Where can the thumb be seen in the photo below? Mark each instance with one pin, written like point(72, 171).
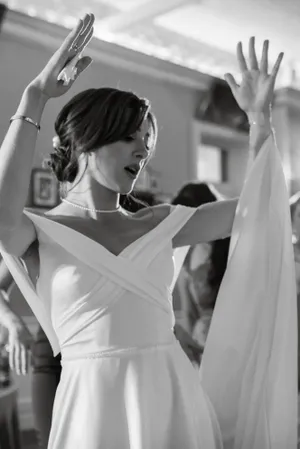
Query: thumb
point(83, 64)
point(231, 83)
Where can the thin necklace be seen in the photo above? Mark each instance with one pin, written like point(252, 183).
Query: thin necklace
point(107, 211)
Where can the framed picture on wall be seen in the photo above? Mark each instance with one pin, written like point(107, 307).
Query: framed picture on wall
point(44, 189)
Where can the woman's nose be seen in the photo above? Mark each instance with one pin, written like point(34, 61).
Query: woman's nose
point(142, 150)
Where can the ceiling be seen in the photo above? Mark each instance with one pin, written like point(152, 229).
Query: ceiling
point(198, 34)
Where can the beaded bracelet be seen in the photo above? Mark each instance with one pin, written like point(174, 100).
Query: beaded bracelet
point(25, 119)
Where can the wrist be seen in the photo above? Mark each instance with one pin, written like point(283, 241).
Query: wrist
point(36, 94)
point(259, 118)
point(32, 104)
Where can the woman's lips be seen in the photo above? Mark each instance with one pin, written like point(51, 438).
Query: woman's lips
point(132, 172)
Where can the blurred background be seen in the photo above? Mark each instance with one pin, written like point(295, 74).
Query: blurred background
point(174, 52)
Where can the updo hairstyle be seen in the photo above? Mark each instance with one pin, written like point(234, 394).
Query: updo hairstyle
point(92, 119)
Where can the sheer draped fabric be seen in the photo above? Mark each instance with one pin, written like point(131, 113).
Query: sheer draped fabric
point(249, 366)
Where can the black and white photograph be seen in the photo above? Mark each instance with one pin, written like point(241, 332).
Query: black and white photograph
point(150, 224)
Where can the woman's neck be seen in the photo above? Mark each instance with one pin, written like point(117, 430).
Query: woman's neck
point(92, 195)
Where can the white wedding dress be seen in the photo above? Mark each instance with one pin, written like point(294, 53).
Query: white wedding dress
point(126, 383)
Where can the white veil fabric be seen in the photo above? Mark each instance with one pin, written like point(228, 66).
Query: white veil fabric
point(179, 256)
point(249, 365)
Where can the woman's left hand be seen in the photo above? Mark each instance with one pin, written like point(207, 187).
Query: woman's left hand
point(255, 93)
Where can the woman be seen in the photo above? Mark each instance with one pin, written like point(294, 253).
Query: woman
point(104, 275)
point(202, 272)
point(46, 369)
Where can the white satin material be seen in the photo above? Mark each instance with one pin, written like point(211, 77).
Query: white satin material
point(125, 382)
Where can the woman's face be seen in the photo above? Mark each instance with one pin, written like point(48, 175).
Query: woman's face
point(296, 220)
point(118, 165)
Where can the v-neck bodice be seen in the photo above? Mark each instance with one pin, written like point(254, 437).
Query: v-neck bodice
point(94, 300)
point(126, 249)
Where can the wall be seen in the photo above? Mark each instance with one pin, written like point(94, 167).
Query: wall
point(173, 105)
point(236, 145)
point(286, 118)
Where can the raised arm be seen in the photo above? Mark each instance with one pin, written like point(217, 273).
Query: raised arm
point(18, 147)
point(254, 95)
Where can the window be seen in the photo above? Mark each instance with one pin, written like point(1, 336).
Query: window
point(212, 164)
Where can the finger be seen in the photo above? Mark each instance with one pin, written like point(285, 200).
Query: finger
point(28, 360)
point(83, 64)
point(11, 357)
point(231, 83)
point(84, 35)
point(252, 54)
point(17, 359)
point(241, 58)
point(87, 24)
point(264, 57)
point(76, 36)
point(62, 55)
point(277, 67)
point(86, 40)
point(23, 360)
point(71, 36)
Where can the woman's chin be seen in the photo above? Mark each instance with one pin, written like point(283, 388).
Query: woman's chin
point(122, 188)
point(126, 190)
point(127, 186)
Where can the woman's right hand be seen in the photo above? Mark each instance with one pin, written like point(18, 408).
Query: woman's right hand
point(46, 82)
point(19, 345)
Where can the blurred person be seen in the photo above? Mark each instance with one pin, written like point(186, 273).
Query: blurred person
point(103, 293)
point(25, 351)
point(199, 280)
